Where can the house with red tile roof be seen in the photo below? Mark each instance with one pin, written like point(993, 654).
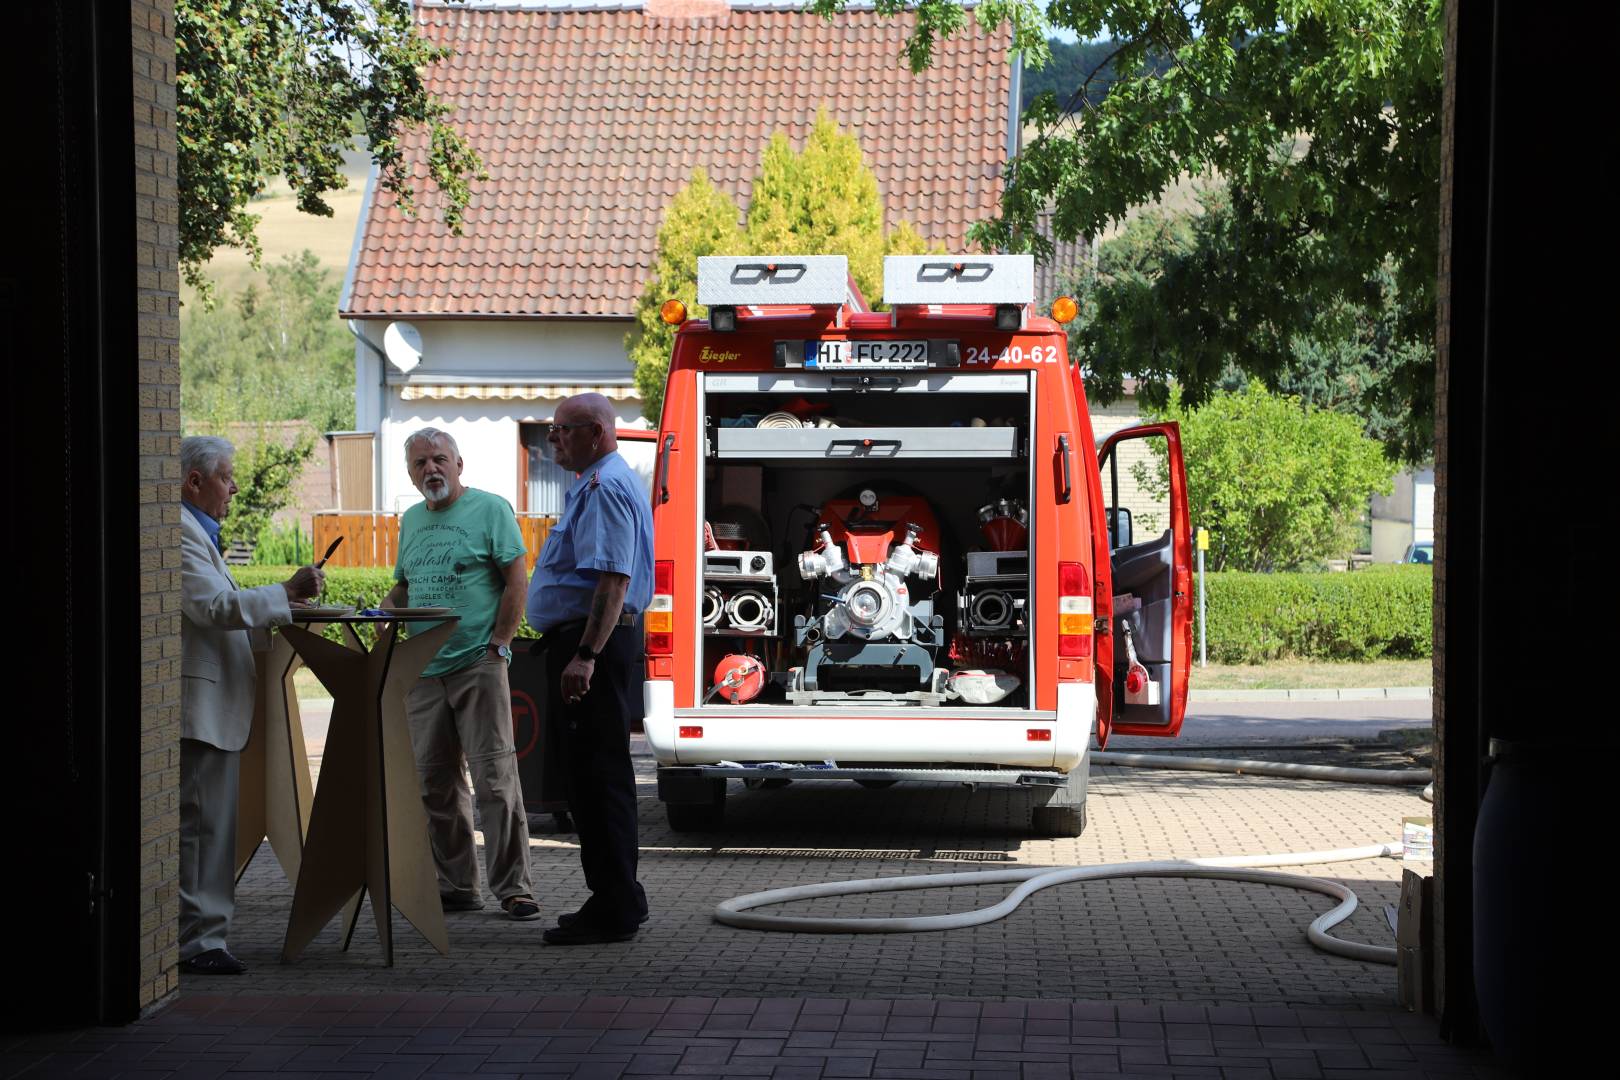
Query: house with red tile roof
point(589, 116)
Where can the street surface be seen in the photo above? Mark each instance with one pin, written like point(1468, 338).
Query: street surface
point(1225, 723)
point(1237, 723)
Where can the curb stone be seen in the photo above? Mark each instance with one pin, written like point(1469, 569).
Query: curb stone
point(1375, 693)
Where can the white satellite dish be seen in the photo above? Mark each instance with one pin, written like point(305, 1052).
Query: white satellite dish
point(402, 344)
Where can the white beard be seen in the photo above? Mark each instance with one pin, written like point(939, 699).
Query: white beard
point(436, 489)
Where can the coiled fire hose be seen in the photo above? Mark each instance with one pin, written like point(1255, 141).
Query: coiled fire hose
point(738, 910)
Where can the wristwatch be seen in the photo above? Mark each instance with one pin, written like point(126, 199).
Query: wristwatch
point(585, 652)
point(503, 651)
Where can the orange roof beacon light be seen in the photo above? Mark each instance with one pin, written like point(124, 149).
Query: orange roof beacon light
point(673, 312)
point(1064, 309)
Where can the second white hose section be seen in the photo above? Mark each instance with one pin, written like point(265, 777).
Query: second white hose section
point(736, 911)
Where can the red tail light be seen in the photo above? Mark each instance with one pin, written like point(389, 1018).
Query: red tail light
point(1074, 610)
point(1073, 579)
point(659, 619)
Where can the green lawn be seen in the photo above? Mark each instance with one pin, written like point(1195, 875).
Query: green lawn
point(1311, 675)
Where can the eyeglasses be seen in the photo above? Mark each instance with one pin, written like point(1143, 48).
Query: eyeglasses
point(566, 427)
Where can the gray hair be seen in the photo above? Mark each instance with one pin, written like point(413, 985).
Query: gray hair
point(430, 434)
point(204, 454)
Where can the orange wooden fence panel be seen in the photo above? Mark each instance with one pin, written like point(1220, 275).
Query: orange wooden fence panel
point(373, 539)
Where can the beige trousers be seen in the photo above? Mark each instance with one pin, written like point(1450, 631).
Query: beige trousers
point(468, 715)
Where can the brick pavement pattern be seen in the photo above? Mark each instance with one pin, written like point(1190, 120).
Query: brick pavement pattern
point(1149, 977)
point(1140, 941)
point(402, 1036)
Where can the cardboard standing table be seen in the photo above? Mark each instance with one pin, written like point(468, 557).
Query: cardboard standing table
point(275, 791)
point(368, 831)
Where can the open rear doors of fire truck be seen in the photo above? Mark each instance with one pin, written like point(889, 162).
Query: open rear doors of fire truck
point(1142, 490)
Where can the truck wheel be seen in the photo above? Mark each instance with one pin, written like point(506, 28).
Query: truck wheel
point(695, 817)
point(694, 803)
point(1058, 821)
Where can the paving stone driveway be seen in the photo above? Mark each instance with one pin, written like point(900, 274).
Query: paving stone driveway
point(1127, 941)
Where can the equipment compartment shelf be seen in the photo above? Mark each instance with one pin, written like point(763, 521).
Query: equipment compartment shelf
point(866, 443)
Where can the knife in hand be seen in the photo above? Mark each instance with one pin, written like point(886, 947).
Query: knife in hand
point(330, 548)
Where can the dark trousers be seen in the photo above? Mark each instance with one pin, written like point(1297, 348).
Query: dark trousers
point(593, 737)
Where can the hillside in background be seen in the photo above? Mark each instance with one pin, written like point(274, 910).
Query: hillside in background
point(1071, 63)
point(284, 230)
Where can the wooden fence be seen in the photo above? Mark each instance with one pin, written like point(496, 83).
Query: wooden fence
point(373, 539)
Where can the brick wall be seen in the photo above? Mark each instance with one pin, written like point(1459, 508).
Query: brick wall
point(1442, 367)
point(157, 300)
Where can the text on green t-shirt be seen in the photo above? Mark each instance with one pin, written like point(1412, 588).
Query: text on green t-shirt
point(453, 558)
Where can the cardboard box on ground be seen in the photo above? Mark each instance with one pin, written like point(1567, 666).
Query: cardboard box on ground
point(1414, 943)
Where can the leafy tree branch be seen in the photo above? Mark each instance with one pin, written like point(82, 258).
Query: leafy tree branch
point(268, 88)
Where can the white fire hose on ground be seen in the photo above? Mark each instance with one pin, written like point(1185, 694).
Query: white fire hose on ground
point(738, 910)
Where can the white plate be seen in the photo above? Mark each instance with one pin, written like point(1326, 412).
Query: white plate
point(305, 614)
point(417, 610)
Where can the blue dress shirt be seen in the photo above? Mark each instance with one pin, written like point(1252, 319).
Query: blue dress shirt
point(606, 524)
point(206, 520)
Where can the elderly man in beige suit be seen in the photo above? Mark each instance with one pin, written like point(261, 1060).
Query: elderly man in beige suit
point(219, 628)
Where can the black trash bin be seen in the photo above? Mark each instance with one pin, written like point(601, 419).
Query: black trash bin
point(539, 771)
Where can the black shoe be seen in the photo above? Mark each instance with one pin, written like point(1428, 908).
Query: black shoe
point(213, 962)
point(578, 934)
point(461, 902)
point(569, 918)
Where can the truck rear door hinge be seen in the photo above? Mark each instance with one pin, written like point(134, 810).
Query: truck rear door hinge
point(1100, 626)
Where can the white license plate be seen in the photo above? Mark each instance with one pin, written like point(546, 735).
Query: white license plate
point(889, 354)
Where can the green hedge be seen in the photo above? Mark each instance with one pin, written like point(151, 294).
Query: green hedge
point(344, 585)
point(1380, 612)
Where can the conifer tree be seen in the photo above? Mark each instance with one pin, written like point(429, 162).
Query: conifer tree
point(701, 220)
point(822, 200)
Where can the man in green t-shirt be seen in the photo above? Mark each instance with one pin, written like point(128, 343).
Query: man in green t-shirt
point(461, 549)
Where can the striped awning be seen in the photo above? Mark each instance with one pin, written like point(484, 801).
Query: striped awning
point(514, 393)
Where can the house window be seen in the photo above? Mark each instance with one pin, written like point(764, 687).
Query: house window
point(546, 482)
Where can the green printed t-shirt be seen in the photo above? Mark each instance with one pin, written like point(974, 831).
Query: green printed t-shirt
point(452, 558)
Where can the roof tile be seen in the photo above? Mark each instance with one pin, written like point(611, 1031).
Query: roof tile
point(589, 122)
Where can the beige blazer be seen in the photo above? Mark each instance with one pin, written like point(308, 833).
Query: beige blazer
point(220, 626)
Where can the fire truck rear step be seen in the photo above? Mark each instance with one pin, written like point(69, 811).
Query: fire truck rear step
point(1004, 777)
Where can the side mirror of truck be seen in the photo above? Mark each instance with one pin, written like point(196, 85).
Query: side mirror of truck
point(1119, 527)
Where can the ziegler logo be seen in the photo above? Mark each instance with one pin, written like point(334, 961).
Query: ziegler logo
point(715, 356)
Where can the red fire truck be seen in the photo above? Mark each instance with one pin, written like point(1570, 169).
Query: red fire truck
point(885, 549)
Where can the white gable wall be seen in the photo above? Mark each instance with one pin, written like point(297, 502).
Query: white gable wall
point(480, 353)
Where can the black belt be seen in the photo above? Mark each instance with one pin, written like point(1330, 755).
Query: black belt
point(579, 625)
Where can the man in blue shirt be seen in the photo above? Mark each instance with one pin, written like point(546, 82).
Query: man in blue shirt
point(594, 576)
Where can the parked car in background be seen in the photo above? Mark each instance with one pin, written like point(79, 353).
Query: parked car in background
point(1421, 551)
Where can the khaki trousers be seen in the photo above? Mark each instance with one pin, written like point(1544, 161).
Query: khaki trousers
point(468, 715)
